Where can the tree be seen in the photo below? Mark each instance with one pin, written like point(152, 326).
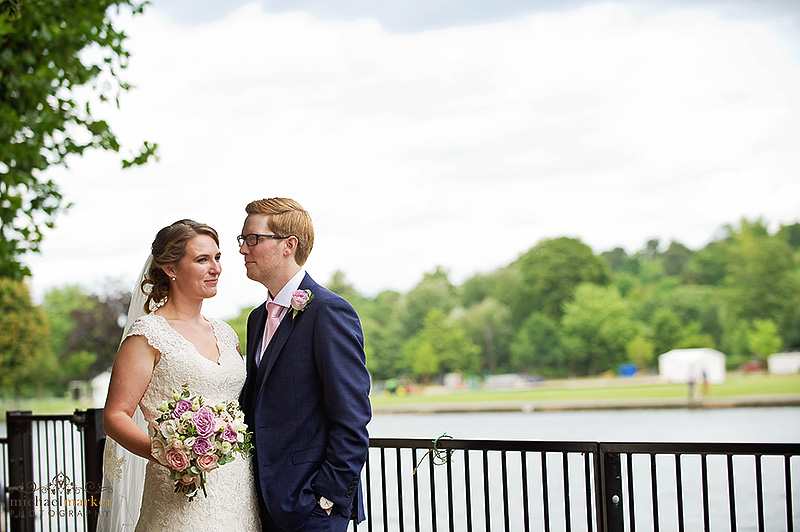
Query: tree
point(382, 338)
point(675, 258)
point(596, 330)
point(763, 338)
point(487, 325)
point(762, 281)
point(86, 329)
point(435, 291)
point(440, 347)
point(537, 348)
point(25, 354)
point(550, 273)
point(641, 352)
point(666, 330)
point(57, 60)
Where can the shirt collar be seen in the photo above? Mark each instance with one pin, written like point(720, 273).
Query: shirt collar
point(284, 297)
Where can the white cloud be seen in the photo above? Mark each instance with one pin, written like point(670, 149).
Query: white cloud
point(459, 147)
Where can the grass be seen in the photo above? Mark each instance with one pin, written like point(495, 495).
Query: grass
point(576, 389)
point(599, 389)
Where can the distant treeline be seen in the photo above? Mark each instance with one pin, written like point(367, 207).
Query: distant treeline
point(558, 310)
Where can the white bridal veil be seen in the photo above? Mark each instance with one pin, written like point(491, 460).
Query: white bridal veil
point(123, 471)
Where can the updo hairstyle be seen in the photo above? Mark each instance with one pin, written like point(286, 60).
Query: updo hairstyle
point(168, 248)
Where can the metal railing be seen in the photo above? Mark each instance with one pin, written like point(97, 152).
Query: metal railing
point(53, 471)
point(506, 485)
point(50, 462)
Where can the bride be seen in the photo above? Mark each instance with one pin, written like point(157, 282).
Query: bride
point(164, 349)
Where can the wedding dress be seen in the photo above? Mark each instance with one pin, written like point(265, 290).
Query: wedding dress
point(231, 504)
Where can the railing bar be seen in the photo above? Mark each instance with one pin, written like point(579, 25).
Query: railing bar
point(486, 498)
point(434, 521)
point(599, 489)
point(415, 483)
point(399, 490)
point(679, 494)
point(587, 480)
point(47, 466)
point(524, 472)
point(704, 476)
point(631, 506)
point(567, 512)
point(83, 467)
point(64, 464)
point(731, 493)
point(504, 477)
point(759, 495)
point(654, 490)
point(468, 491)
point(368, 479)
point(545, 495)
point(450, 509)
point(787, 475)
point(383, 489)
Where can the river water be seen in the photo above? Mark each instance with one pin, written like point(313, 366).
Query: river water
point(730, 425)
point(778, 424)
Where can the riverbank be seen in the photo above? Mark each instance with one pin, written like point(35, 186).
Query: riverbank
point(614, 393)
point(738, 391)
point(598, 404)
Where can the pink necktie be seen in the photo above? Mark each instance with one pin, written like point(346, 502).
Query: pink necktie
point(273, 320)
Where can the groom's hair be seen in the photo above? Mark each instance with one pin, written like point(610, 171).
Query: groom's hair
point(287, 218)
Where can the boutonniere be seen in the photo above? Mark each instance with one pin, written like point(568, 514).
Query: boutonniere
point(300, 300)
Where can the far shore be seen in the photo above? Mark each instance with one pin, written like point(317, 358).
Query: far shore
point(596, 393)
point(747, 401)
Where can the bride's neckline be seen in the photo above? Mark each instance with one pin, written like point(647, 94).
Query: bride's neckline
point(196, 350)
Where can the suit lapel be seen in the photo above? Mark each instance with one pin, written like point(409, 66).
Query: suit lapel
point(281, 336)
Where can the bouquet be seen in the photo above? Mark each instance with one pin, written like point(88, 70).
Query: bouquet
point(192, 438)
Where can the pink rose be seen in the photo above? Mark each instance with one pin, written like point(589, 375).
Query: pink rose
point(300, 299)
point(229, 434)
point(204, 421)
point(207, 462)
point(181, 407)
point(201, 446)
point(187, 480)
point(177, 460)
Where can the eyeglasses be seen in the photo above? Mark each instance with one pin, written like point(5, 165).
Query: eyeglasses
point(252, 239)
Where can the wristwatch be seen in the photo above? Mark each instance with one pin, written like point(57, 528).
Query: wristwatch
point(325, 504)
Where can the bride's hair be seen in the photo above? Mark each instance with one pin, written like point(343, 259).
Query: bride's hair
point(168, 248)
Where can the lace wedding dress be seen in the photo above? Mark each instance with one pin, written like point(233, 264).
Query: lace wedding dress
point(231, 504)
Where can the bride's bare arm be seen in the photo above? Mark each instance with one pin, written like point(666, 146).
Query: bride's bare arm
point(133, 368)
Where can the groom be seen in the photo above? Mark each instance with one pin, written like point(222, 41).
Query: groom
point(306, 397)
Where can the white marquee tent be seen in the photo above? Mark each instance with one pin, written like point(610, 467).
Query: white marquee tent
point(784, 363)
point(681, 365)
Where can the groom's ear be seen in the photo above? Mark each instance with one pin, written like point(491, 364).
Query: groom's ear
point(290, 246)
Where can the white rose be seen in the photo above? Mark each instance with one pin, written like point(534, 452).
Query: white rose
point(169, 429)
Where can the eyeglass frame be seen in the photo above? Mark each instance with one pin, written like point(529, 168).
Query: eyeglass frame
point(242, 239)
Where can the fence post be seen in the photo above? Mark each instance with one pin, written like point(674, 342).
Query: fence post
point(21, 487)
point(90, 422)
point(611, 490)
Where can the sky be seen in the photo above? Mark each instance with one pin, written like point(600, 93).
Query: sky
point(438, 133)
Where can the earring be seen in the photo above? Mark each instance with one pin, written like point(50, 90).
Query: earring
point(173, 277)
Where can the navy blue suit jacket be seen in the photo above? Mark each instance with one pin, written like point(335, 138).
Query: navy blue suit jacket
point(307, 403)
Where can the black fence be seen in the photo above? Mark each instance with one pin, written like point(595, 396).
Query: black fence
point(51, 472)
point(485, 485)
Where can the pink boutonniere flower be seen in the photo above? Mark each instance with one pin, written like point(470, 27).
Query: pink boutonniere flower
point(300, 300)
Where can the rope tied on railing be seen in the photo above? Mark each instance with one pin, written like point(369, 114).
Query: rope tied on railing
point(439, 456)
